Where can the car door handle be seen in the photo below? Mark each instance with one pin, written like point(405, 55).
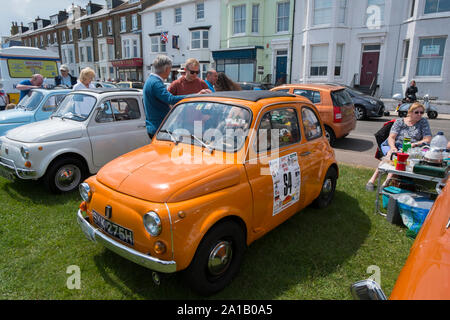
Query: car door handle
point(304, 154)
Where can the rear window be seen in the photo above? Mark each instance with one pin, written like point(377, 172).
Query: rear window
point(341, 98)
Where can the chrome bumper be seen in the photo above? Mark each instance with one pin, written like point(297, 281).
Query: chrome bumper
point(22, 173)
point(95, 235)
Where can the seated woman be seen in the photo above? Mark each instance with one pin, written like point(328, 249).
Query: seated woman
point(414, 126)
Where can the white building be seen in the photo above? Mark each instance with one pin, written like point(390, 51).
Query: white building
point(192, 29)
point(351, 41)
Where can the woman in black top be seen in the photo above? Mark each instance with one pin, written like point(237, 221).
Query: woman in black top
point(410, 94)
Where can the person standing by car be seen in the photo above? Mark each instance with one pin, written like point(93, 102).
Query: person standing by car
point(190, 83)
point(224, 83)
point(211, 79)
point(65, 79)
point(25, 86)
point(4, 100)
point(410, 94)
point(85, 81)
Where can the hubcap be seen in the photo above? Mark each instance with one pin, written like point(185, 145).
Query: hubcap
point(220, 258)
point(327, 187)
point(358, 113)
point(67, 177)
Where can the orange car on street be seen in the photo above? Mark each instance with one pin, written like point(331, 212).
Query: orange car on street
point(334, 104)
point(426, 273)
point(222, 170)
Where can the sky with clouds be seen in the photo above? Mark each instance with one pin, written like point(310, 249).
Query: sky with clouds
point(28, 10)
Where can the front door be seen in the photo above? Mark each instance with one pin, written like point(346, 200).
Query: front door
point(281, 69)
point(369, 68)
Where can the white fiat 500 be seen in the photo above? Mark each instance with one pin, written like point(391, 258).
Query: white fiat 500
point(89, 129)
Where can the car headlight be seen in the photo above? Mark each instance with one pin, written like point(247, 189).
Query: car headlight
point(25, 152)
point(152, 223)
point(85, 191)
point(373, 102)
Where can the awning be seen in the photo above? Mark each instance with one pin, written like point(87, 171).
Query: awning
point(236, 53)
point(128, 63)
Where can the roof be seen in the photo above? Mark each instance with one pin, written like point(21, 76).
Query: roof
point(248, 95)
point(109, 90)
point(320, 86)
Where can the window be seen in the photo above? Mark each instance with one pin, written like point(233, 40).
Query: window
point(342, 11)
point(80, 33)
point(255, 18)
point(375, 10)
point(110, 52)
point(413, 5)
point(102, 52)
point(49, 38)
point(119, 110)
point(430, 56)
point(158, 19)
point(311, 124)
point(41, 38)
point(239, 19)
point(54, 20)
point(126, 53)
point(82, 54)
point(157, 45)
point(405, 56)
point(100, 28)
point(52, 102)
point(313, 96)
point(135, 49)
point(200, 39)
point(71, 59)
point(134, 22)
point(109, 26)
point(283, 16)
point(70, 35)
point(63, 36)
point(278, 128)
point(435, 6)
point(319, 60)
point(178, 15)
point(123, 24)
point(109, 4)
point(339, 57)
point(89, 31)
point(89, 54)
point(323, 12)
point(200, 11)
point(55, 37)
point(241, 70)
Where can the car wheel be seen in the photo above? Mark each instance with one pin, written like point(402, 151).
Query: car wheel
point(217, 260)
point(64, 175)
point(360, 113)
point(432, 114)
point(331, 137)
point(328, 190)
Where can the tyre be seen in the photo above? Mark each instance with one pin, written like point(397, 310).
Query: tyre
point(432, 114)
point(217, 260)
point(360, 113)
point(64, 175)
point(331, 137)
point(328, 190)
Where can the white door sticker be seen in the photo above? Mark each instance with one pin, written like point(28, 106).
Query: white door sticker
point(286, 180)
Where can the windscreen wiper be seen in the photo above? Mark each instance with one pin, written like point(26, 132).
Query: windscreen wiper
point(172, 137)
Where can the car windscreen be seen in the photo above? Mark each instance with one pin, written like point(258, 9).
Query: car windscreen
point(31, 101)
point(123, 85)
point(76, 107)
point(213, 125)
point(341, 98)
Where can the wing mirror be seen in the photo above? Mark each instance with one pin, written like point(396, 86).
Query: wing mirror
point(397, 96)
point(367, 290)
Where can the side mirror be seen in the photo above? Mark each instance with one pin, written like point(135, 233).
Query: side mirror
point(397, 96)
point(367, 290)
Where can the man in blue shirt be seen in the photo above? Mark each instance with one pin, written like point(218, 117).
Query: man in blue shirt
point(211, 78)
point(25, 86)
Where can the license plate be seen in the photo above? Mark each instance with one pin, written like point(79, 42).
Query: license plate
point(113, 229)
point(6, 174)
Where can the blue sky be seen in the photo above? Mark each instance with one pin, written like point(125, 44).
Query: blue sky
point(28, 10)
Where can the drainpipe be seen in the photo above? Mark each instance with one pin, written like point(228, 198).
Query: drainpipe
point(292, 43)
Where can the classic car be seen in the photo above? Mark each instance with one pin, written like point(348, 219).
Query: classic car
point(37, 106)
point(334, 104)
point(426, 273)
point(89, 128)
point(222, 170)
point(130, 84)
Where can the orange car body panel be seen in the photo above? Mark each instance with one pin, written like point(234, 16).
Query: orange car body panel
point(426, 274)
point(191, 198)
point(325, 107)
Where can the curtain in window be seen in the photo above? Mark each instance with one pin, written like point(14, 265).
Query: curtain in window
point(430, 56)
point(433, 6)
point(323, 11)
point(239, 19)
point(283, 17)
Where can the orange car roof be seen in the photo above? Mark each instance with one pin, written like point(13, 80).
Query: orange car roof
point(249, 95)
point(319, 86)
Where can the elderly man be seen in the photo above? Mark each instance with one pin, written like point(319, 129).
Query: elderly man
point(211, 79)
point(25, 86)
point(65, 79)
point(190, 83)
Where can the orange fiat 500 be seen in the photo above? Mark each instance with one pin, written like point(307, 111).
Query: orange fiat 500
point(334, 104)
point(223, 170)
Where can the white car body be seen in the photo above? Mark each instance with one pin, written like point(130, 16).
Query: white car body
point(95, 142)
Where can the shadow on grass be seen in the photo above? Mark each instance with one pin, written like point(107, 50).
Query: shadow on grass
point(304, 249)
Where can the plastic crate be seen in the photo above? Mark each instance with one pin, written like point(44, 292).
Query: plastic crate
point(391, 190)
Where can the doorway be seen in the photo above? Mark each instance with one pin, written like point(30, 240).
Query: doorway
point(281, 67)
point(369, 64)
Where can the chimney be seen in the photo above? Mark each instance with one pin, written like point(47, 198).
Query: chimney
point(14, 29)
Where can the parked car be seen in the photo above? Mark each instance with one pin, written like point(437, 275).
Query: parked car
point(89, 128)
point(194, 202)
point(104, 84)
point(334, 103)
point(255, 86)
point(426, 273)
point(37, 106)
point(130, 84)
point(366, 106)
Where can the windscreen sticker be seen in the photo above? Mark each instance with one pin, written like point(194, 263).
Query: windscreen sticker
point(286, 178)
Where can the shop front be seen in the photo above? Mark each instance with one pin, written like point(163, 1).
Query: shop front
point(129, 69)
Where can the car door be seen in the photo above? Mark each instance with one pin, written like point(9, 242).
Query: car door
point(117, 128)
point(275, 168)
point(47, 107)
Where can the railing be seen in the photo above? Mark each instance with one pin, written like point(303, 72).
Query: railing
point(374, 85)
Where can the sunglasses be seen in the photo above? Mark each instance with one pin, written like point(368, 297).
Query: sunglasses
point(193, 71)
point(419, 112)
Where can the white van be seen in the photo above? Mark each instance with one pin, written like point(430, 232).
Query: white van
point(20, 63)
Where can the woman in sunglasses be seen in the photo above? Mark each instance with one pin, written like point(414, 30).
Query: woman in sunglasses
point(414, 126)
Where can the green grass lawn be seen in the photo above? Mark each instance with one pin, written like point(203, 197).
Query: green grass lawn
point(317, 254)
